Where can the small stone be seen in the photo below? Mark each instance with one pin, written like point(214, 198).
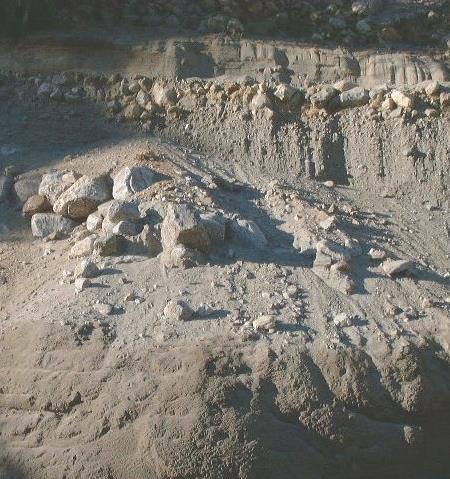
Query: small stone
point(94, 221)
point(343, 320)
point(328, 223)
point(81, 284)
point(433, 88)
point(393, 268)
point(265, 323)
point(329, 184)
point(179, 310)
point(86, 269)
point(377, 254)
point(427, 303)
point(104, 309)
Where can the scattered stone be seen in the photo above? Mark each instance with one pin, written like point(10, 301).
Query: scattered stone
point(45, 224)
point(393, 268)
point(178, 310)
point(377, 254)
point(83, 197)
point(130, 180)
point(36, 204)
point(343, 320)
point(104, 309)
point(81, 284)
point(265, 323)
point(86, 269)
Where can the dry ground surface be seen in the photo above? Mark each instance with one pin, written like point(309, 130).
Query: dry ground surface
point(136, 394)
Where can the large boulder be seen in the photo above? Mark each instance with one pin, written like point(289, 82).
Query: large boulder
point(54, 184)
point(45, 224)
point(130, 180)
point(83, 197)
point(183, 225)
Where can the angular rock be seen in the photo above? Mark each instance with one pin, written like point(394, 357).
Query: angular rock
point(83, 197)
point(133, 111)
point(36, 204)
point(120, 210)
point(215, 224)
point(323, 97)
point(56, 183)
point(393, 268)
point(127, 228)
point(178, 310)
point(45, 224)
point(355, 97)
point(181, 257)
point(183, 225)
point(163, 95)
point(146, 243)
point(130, 180)
point(108, 245)
point(265, 323)
point(84, 247)
point(249, 232)
point(402, 99)
point(86, 269)
point(94, 221)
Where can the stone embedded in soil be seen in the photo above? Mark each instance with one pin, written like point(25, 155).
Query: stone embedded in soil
point(393, 268)
point(343, 320)
point(36, 204)
point(45, 224)
point(181, 257)
point(83, 197)
point(130, 180)
point(265, 323)
point(104, 309)
point(178, 310)
point(81, 284)
point(183, 225)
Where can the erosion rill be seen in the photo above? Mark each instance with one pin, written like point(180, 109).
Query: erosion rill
point(224, 239)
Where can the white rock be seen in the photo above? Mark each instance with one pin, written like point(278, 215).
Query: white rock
point(85, 247)
point(392, 268)
point(130, 180)
point(94, 221)
point(343, 320)
point(402, 99)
